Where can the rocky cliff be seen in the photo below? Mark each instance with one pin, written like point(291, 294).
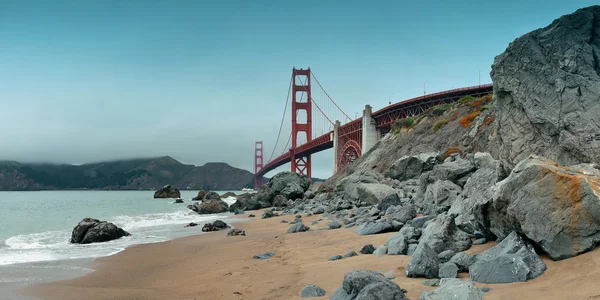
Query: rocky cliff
point(134, 174)
point(547, 91)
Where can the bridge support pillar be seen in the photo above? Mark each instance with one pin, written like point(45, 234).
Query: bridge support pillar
point(335, 136)
point(369, 130)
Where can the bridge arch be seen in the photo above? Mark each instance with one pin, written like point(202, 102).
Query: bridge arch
point(350, 152)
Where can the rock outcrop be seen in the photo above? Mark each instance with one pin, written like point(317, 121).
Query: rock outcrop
point(453, 289)
point(287, 184)
point(200, 195)
point(213, 206)
point(167, 192)
point(556, 207)
point(95, 231)
point(546, 91)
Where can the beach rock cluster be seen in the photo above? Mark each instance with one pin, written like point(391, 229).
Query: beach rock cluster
point(367, 284)
point(95, 231)
point(167, 192)
point(215, 226)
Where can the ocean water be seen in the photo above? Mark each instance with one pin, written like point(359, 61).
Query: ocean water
point(35, 229)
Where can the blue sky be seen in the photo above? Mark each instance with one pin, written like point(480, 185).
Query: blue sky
point(84, 81)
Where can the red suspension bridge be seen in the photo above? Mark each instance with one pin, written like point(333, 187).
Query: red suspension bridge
point(318, 123)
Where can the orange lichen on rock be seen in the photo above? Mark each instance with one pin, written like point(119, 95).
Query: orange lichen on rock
point(451, 151)
point(489, 120)
point(453, 116)
point(477, 103)
point(468, 119)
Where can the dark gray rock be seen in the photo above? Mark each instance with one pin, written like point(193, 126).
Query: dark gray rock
point(480, 241)
point(453, 289)
point(335, 257)
point(211, 196)
point(298, 227)
point(368, 285)
point(191, 224)
point(396, 244)
point(401, 214)
point(347, 187)
point(463, 261)
point(287, 184)
point(334, 225)
point(211, 206)
point(391, 199)
point(410, 233)
point(381, 250)
point(95, 231)
point(236, 232)
point(556, 207)
point(280, 201)
point(267, 214)
point(451, 170)
point(411, 249)
point(448, 270)
point(546, 91)
point(439, 196)
point(350, 253)
point(375, 193)
point(408, 167)
point(367, 249)
point(423, 263)
point(446, 255)
point(265, 255)
point(311, 291)
point(167, 192)
point(318, 210)
point(220, 224)
point(419, 221)
point(178, 200)
point(513, 260)
point(442, 234)
point(370, 227)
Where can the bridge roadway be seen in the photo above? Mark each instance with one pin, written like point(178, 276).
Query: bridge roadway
point(384, 119)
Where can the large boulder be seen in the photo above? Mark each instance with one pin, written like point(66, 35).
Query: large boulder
point(245, 202)
point(453, 170)
point(375, 193)
point(443, 234)
point(453, 289)
point(408, 167)
point(439, 196)
point(167, 191)
point(95, 231)
point(213, 206)
point(288, 184)
point(513, 260)
point(368, 285)
point(346, 188)
point(424, 262)
point(396, 244)
point(371, 227)
point(546, 91)
point(556, 207)
point(200, 195)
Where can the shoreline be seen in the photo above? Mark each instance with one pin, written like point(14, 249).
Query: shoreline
point(213, 266)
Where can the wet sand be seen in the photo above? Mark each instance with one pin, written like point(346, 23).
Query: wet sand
point(214, 266)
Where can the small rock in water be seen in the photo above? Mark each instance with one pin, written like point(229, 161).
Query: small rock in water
point(311, 290)
point(192, 224)
point(367, 249)
point(350, 254)
point(336, 257)
point(265, 255)
point(209, 227)
point(220, 224)
point(178, 200)
point(236, 232)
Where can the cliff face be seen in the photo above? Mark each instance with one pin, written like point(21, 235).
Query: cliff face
point(131, 174)
point(547, 91)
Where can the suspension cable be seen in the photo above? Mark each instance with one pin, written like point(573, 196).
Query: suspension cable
point(317, 80)
point(282, 118)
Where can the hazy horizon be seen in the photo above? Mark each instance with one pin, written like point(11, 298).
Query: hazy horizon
point(94, 81)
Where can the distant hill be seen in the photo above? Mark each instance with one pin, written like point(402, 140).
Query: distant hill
point(133, 174)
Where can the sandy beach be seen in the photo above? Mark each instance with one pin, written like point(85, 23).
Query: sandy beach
point(213, 266)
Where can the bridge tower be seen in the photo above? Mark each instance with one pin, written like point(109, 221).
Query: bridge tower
point(301, 101)
point(258, 164)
